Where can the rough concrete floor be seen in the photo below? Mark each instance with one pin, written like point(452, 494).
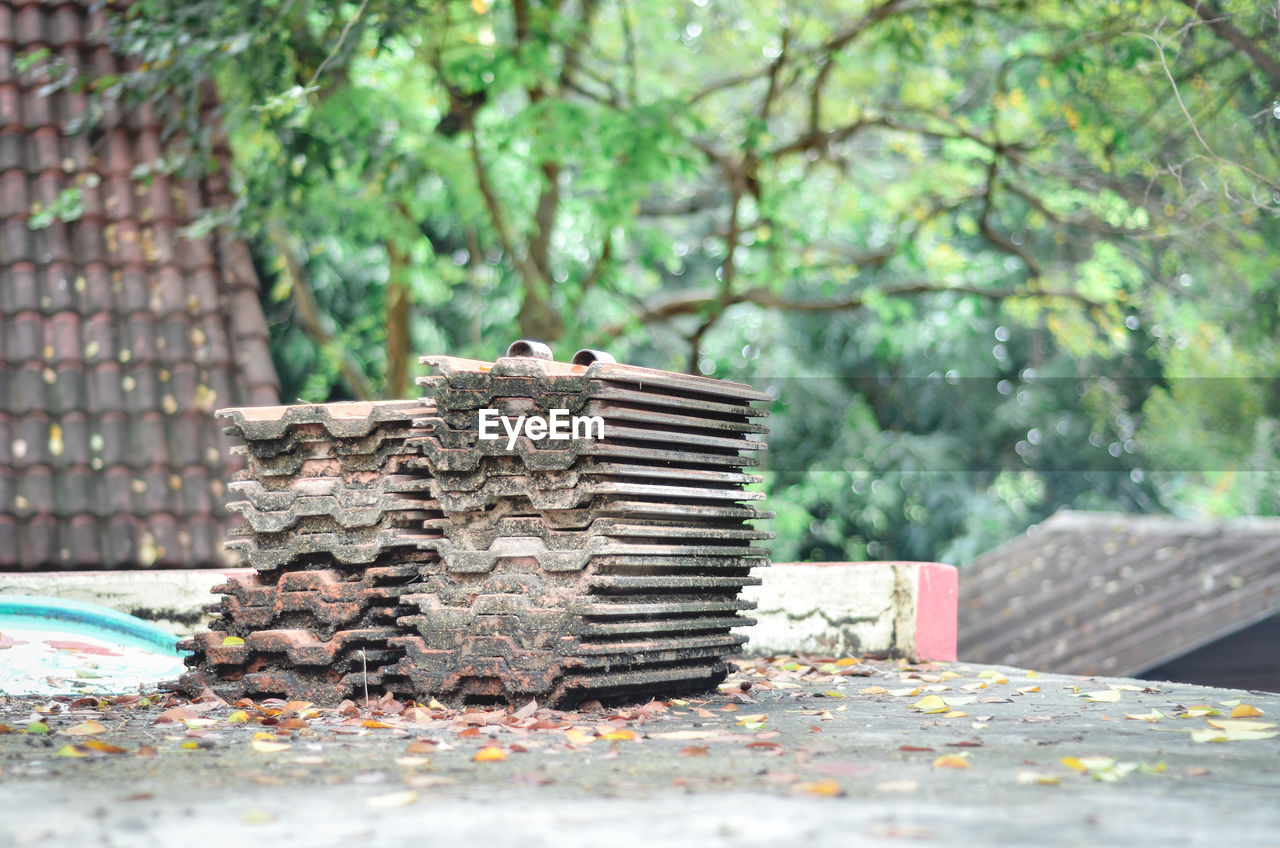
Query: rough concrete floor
point(789, 752)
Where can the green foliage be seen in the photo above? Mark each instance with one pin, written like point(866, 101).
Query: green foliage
point(996, 259)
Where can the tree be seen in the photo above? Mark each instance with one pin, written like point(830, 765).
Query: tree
point(849, 190)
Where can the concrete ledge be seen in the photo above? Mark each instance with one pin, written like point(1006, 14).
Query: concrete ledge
point(905, 609)
point(172, 600)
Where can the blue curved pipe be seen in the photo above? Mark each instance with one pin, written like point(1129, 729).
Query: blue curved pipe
point(88, 620)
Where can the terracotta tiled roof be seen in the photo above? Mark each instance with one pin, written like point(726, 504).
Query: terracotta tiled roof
point(118, 337)
point(1103, 593)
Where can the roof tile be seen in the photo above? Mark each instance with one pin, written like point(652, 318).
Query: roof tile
point(117, 338)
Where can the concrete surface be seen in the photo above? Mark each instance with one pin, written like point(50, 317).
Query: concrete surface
point(812, 753)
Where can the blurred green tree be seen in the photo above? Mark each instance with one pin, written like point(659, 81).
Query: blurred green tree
point(997, 257)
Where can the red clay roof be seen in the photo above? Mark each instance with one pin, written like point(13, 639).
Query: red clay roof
point(118, 337)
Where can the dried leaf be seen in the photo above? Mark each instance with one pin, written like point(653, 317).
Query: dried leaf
point(1245, 711)
point(822, 788)
point(1239, 724)
point(88, 728)
point(148, 751)
point(491, 754)
point(577, 737)
point(1109, 696)
point(958, 761)
point(376, 725)
point(873, 690)
point(623, 735)
point(393, 799)
point(420, 746)
point(687, 734)
point(101, 747)
point(754, 718)
point(694, 751)
point(1030, 778)
point(1154, 715)
point(268, 747)
point(898, 786)
point(931, 704)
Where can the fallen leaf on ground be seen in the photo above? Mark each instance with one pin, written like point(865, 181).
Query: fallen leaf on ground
point(623, 735)
point(393, 799)
point(1108, 696)
point(694, 751)
point(577, 737)
point(931, 704)
point(1214, 734)
point(822, 788)
point(491, 754)
point(873, 690)
point(1029, 778)
point(88, 728)
point(1154, 715)
point(951, 761)
point(898, 786)
point(1245, 711)
point(687, 734)
point(268, 747)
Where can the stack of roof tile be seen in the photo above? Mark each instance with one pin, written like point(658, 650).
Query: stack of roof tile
point(560, 569)
point(333, 544)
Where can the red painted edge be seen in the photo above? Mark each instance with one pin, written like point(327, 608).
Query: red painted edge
point(937, 603)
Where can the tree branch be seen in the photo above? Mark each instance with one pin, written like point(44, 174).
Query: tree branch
point(695, 302)
point(1221, 24)
point(309, 314)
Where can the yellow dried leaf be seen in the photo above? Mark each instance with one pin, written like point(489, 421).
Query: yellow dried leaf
point(1027, 690)
point(824, 788)
point(88, 728)
point(394, 799)
point(1030, 778)
point(1109, 696)
point(1245, 711)
point(954, 714)
point(873, 690)
point(238, 717)
point(623, 735)
point(951, 761)
point(848, 661)
point(1239, 724)
point(72, 751)
point(754, 718)
point(102, 747)
point(490, 755)
point(577, 737)
point(1154, 715)
point(267, 747)
point(931, 704)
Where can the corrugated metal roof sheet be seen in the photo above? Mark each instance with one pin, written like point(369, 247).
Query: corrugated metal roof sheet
point(1101, 593)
